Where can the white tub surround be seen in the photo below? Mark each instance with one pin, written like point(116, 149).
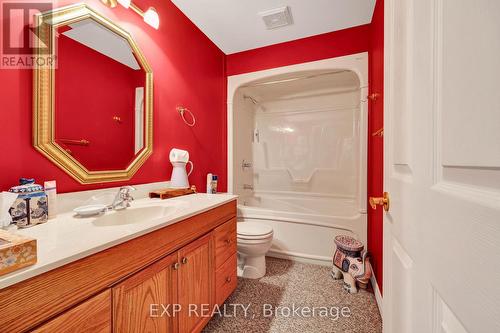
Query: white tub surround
point(297, 153)
point(68, 238)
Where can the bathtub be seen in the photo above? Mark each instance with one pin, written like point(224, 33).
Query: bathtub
point(304, 225)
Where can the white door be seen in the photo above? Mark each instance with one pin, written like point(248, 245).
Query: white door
point(442, 166)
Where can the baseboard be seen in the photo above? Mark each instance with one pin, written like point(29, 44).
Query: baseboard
point(300, 257)
point(378, 296)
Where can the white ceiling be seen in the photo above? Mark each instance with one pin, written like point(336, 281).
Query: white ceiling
point(234, 25)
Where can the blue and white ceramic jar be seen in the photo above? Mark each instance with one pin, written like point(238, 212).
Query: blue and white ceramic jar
point(31, 206)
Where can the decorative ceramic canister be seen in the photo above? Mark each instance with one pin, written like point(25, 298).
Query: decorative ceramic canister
point(30, 207)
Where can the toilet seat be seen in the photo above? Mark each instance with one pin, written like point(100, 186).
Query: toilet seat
point(253, 230)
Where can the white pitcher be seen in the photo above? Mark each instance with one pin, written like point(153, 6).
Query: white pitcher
point(179, 158)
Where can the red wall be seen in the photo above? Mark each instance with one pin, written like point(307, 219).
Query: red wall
point(324, 46)
point(111, 143)
point(192, 74)
point(335, 44)
point(188, 70)
point(376, 144)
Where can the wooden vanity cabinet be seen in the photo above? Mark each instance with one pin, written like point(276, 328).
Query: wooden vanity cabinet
point(92, 316)
point(168, 296)
point(196, 284)
point(138, 301)
point(125, 288)
point(225, 260)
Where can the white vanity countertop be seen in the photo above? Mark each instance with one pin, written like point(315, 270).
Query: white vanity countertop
point(67, 238)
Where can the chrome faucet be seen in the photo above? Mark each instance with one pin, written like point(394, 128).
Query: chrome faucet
point(123, 198)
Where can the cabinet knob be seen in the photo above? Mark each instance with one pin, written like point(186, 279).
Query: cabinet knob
point(228, 241)
point(175, 266)
point(184, 260)
point(228, 279)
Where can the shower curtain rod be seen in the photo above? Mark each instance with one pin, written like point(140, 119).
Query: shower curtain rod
point(293, 79)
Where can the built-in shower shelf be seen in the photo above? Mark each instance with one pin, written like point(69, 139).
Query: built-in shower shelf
point(310, 195)
point(305, 110)
point(294, 178)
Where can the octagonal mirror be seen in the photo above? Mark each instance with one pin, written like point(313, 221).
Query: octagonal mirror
point(93, 105)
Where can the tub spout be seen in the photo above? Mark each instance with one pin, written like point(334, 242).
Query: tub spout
point(247, 187)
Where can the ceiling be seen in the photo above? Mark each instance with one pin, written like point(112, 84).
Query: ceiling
point(235, 25)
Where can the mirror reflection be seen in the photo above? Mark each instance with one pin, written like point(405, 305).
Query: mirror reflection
point(99, 97)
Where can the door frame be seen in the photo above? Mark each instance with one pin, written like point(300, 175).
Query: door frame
point(358, 63)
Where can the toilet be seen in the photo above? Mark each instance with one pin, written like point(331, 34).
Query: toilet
point(253, 241)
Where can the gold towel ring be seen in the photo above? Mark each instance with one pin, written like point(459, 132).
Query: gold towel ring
point(182, 110)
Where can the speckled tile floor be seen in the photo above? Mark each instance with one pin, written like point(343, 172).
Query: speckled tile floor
point(307, 287)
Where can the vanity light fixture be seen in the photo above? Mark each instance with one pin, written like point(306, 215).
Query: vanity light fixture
point(150, 16)
point(110, 3)
point(124, 3)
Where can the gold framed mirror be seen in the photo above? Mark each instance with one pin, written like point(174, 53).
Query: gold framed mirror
point(93, 107)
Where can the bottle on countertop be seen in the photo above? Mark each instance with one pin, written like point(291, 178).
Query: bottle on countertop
point(51, 191)
point(209, 183)
point(214, 184)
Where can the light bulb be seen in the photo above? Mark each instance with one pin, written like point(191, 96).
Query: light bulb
point(151, 17)
point(124, 3)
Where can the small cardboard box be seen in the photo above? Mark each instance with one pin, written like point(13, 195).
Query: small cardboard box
point(16, 252)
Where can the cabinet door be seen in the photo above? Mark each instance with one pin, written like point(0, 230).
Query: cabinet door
point(92, 316)
point(139, 302)
point(196, 284)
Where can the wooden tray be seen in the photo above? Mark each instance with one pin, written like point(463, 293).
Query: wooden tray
point(172, 192)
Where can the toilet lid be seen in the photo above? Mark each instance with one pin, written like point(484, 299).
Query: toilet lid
point(253, 229)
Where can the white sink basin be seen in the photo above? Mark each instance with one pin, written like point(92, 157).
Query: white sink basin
point(134, 215)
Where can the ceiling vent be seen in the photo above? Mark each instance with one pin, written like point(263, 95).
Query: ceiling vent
point(277, 18)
